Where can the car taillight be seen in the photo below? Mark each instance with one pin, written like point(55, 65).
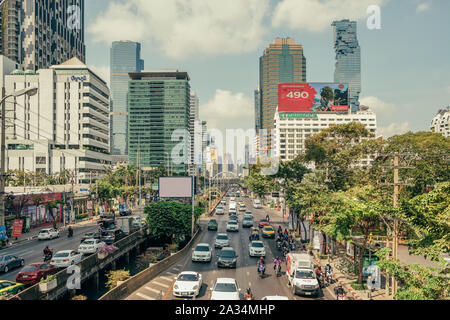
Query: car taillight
point(65, 260)
point(0, 264)
point(52, 260)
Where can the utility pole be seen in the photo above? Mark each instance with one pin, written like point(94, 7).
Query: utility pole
point(3, 160)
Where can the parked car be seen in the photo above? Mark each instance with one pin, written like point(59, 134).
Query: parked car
point(9, 262)
point(187, 284)
point(232, 225)
point(202, 252)
point(247, 222)
point(225, 289)
point(91, 235)
point(227, 258)
point(48, 234)
point(65, 258)
point(212, 225)
point(11, 287)
point(263, 223)
point(112, 236)
point(222, 240)
point(268, 232)
point(34, 272)
point(256, 249)
point(90, 246)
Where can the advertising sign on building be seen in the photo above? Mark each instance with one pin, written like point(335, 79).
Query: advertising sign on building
point(313, 97)
point(3, 233)
point(17, 228)
point(179, 187)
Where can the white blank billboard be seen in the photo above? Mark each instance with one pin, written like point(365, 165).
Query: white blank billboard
point(175, 187)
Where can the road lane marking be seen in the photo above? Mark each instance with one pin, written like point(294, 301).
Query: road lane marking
point(166, 278)
point(160, 284)
point(144, 296)
point(153, 290)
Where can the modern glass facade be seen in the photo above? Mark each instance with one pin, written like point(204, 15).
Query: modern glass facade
point(125, 58)
point(348, 59)
point(158, 104)
point(283, 61)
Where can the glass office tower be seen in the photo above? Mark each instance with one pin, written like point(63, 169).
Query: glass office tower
point(348, 59)
point(158, 104)
point(125, 58)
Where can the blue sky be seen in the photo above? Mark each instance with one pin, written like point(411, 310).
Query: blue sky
point(405, 64)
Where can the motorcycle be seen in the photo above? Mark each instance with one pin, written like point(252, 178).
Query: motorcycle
point(277, 268)
point(320, 279)
point(249, 295)
point(341, 296)
point(70, 233)
point(261, 270)
point(329, 277)
point(292, 246)
point(48, 256)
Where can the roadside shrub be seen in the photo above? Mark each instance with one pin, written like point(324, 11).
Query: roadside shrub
point(358, 286)
point(116, 275)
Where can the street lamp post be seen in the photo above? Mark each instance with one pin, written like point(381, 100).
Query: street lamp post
point(31, 91)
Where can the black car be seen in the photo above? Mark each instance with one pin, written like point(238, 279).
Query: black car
point(91, 235)
point(227, 258)
point(9, 262)
point(212, 225)
point(112, 236)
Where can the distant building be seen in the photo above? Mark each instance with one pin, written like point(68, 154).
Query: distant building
point(293, 129)
point(158, 104)
point(64, 127)
point(195, 134)
point(441, 122)
point(282, 62)
point(348, 59)
point(125, 57)
point(40, 33)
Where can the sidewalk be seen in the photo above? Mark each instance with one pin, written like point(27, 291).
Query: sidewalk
point(32, 234)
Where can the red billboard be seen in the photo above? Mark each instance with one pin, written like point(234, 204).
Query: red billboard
point(17, 228)
point(313, 97)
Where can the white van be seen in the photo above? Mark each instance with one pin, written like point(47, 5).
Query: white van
point(300, 274)
point(232, 208)
point(257, 204)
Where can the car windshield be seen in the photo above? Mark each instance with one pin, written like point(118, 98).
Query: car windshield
point(187, 277)
point(233, 218)
point(225, 287)
point(257, 245)
point(227, 254)
point(89, 242)
point(268, 229)
point(248, 219)
point(224, 237)
point(44, 231)
point(264, 220)
point(29, 269)
point(62, 254)
point(202, 248)
point(110, 234)
point(232, 222)
point(304, 274)
point(213, 222)
point(2, 258)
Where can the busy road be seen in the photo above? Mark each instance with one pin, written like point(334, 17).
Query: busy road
point(245, 272)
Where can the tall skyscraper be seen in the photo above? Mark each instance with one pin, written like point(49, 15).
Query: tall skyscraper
point(257, 109)
point(40, 33)
point(283, 61)
point(125, 58)
point(195, 133)
point(348, 59)
point(158, 104)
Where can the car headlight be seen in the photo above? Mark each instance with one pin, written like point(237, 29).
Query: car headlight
point(195, 287)
point(176, 287)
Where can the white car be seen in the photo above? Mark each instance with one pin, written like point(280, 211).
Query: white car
point(275, 298)
point(89, 246)
point(220, 210)
point(248, 214)
point(202, 252)
point(222, 240)
point(256, 249)
point(225, 289)
point(48, 234)
point(232, 225)
point(65, 258)
point(232, 199)
point(257, 204)
point(187, 284)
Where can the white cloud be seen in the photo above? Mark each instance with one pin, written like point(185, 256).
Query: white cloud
point(102, 71)
point(227, 110)
point(393, 129)
point(424, 6)
point(381, 108)
point(317, 15)
point(182, 28)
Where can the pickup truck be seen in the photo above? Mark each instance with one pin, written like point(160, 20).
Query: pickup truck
point(300, 274)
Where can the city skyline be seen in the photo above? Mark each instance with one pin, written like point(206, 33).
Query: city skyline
point(388, 93)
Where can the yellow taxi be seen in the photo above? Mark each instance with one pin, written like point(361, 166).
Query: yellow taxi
point(254, 234)
point(10, 287)
point(268, 232)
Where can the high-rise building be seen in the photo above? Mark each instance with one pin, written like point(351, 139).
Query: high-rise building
point(257, 110)
point(195, 136)
point(125, 58)
point(441, 122)
point(159, 104)
point(348, 59)
point(282, 62)
point(40, 33)
point(204, 144)
point(64, 126)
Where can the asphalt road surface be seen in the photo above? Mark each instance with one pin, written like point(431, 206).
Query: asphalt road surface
point(246, 271)
point(31, 251)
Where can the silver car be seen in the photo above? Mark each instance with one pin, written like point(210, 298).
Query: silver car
point(222, 240)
